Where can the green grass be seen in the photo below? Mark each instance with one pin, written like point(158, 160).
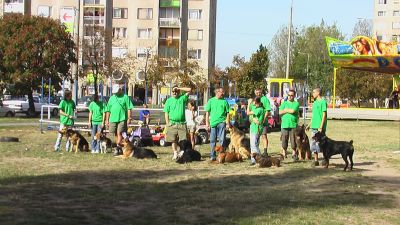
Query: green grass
point(38, 186)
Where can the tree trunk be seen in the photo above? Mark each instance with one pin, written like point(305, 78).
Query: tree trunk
point(31, 109)
point(95, 85)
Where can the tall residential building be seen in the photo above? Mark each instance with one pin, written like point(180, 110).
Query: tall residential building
point(386, 22)
point(169, 29)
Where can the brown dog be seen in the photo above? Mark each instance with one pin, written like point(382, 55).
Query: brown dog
point(228, 157)
point(127, 148)
point(302, 143)
point(237, 142)
point(78, 142)
point(266, 161)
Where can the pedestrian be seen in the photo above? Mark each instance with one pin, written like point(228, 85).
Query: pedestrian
point(67, 110)
point(394, 96)
point(118, 114)
point(190, 115)
point(257, 113)
point(97, 111)
point(174, 110)
point(217, 119)
point(318, 121)
point(267, 110)
point(144, 115)
point(289, 112)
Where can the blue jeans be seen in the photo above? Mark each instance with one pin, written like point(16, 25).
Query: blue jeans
point(95, 143)
point(217, 132)
point(59, 138)
point(314, 147)
point(254, 145)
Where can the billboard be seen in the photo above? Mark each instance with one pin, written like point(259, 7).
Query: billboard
point(67, 17)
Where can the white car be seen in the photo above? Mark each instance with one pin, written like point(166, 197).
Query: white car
point(6, 111)
point(15, 104)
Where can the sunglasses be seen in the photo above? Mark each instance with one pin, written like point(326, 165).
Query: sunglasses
point(291, 95)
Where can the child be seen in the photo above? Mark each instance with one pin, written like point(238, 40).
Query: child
point(256, 126)
point(67, 109)
point(97, 111)
point(190, 115)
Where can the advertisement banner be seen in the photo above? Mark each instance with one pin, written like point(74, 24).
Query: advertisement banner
point(364, 53)
point(67, 17)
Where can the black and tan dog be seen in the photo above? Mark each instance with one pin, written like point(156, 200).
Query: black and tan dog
point(78, 142)
point(266, 161)
point(105, 142)
point(187, 153)
point(330, 147)
point(129, 150)
point(302, 143)
point(238, 145)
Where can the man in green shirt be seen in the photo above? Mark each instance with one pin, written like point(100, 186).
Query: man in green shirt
point(174, 110)
point(217, 118)
point(67, 110)
point(97, 111)
point(318, 121)
point(289, 112)
point(267, 109)
point(118, 113)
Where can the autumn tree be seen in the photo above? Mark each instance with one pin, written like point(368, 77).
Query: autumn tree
point(32, 48)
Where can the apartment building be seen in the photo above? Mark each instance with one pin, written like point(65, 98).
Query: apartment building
point(170, 29)
point(386, 22)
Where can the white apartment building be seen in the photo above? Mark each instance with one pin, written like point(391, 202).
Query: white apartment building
point(178, 29)
point(386, 21)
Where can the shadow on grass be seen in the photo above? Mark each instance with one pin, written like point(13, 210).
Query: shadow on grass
point(179, 196)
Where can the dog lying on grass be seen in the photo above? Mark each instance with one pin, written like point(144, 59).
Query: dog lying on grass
point(302, 143)
point(129, 150)
point(105, 142)
point(266, 161)
point(228, 157)
point(187, 153)
point(238, 142)
point(330, 147)
point(78, 142)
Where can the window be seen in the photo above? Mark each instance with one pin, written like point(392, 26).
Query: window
point(44, 11)
point(169, 13)
point(14, 1)
point(120, 32)
point(396, 25)
point(382, 2)
point(142, 52)
point(93, 2)
point(381, 13)
point(396, 2)
point(195, 34)
point(396, 13)
point(119, 52)
point(195, 14)
point(145, 13)
point(144, 33)
point(194, 54)
point(120, 13)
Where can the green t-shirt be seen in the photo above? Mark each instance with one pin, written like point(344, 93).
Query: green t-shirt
point(97, 109)
point(218, 109)
point(68, 107)
point(175, 107)
point(319, 106)
point(266, 105)
point(118, 107)
point(258, 112)
point(290, 120)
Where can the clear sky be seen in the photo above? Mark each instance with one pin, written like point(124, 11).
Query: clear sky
point(242, 25)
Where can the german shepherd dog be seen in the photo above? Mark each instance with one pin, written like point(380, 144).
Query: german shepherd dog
point(105, 142)
point(78, 142)
point(129, 150)
point(187, 153)
point(238, 142)
point(266, 161)
point(228, 157)
point(302, 143)
point(330, 147)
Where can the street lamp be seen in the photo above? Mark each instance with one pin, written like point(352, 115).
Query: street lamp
point(289, 40)
point(305, 87)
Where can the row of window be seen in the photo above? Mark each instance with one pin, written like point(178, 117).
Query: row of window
point(146, 33)
point(395, 38)
point(383, 13)
point(384, 2)
point(145, 52)
point(147, 13)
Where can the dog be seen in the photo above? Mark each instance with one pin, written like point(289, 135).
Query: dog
point(239, 142)
point(129, 150)
point(228, 157)
point(330, 147)
point(266, 161)
point(187, 153)
point(105, 142)
point(78, 142)
point(302, 143)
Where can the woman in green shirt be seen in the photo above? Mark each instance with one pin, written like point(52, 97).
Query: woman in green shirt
point(257, 113)
point(67, 109)
point(97, 111)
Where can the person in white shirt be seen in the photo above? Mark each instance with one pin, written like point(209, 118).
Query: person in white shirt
point(190, 115)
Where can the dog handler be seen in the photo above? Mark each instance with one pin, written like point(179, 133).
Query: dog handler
point(97, 111)
point(67, 109)
point(174, 110)
point(256, 127)
point(318, 121)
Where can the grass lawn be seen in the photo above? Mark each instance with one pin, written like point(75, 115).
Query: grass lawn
point(39, 186)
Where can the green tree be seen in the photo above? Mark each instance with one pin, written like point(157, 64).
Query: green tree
point(32, 48)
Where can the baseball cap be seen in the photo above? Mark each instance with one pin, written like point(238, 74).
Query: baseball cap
point(115, 88)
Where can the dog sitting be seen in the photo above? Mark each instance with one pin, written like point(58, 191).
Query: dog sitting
point(239, 142)
point(131, 151)
point(330, 147)
point(267, 161)
point(302, 143)
point(187, 153)
point(105, 142)
point(78, 142)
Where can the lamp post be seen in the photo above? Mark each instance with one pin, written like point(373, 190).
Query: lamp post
point(289, 40)
point(305, 87)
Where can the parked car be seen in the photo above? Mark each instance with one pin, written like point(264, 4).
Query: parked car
point(14, 103)
point(6, 111)
point(38, 103)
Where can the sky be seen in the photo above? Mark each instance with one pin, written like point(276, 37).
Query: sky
point(242, 25)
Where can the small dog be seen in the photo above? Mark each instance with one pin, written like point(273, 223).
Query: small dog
point(238, 142)
point(187, 153)
point(228, 157)
point(268, 161)
point(302, 143)
point(131, 151)
point(105, 142)
point(330, 147)
point(78, 142)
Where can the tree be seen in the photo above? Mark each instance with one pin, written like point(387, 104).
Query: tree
point(32, 48)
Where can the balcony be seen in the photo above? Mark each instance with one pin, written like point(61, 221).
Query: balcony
point(94, 2)
point(168, 52)
point(94, 20)
point(169, 22)
point(170, 3)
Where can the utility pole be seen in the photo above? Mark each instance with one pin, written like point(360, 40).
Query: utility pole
point(289, 40)
point(75, 70)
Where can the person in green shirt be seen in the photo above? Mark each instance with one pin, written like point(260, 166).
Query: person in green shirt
point(267, 109)
point(289, 112)
point(118, 114)
point(67, 110)
point(318, 121)
point(97, 111)
point(174, 110)
point(217, 118)
point(256, 127)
